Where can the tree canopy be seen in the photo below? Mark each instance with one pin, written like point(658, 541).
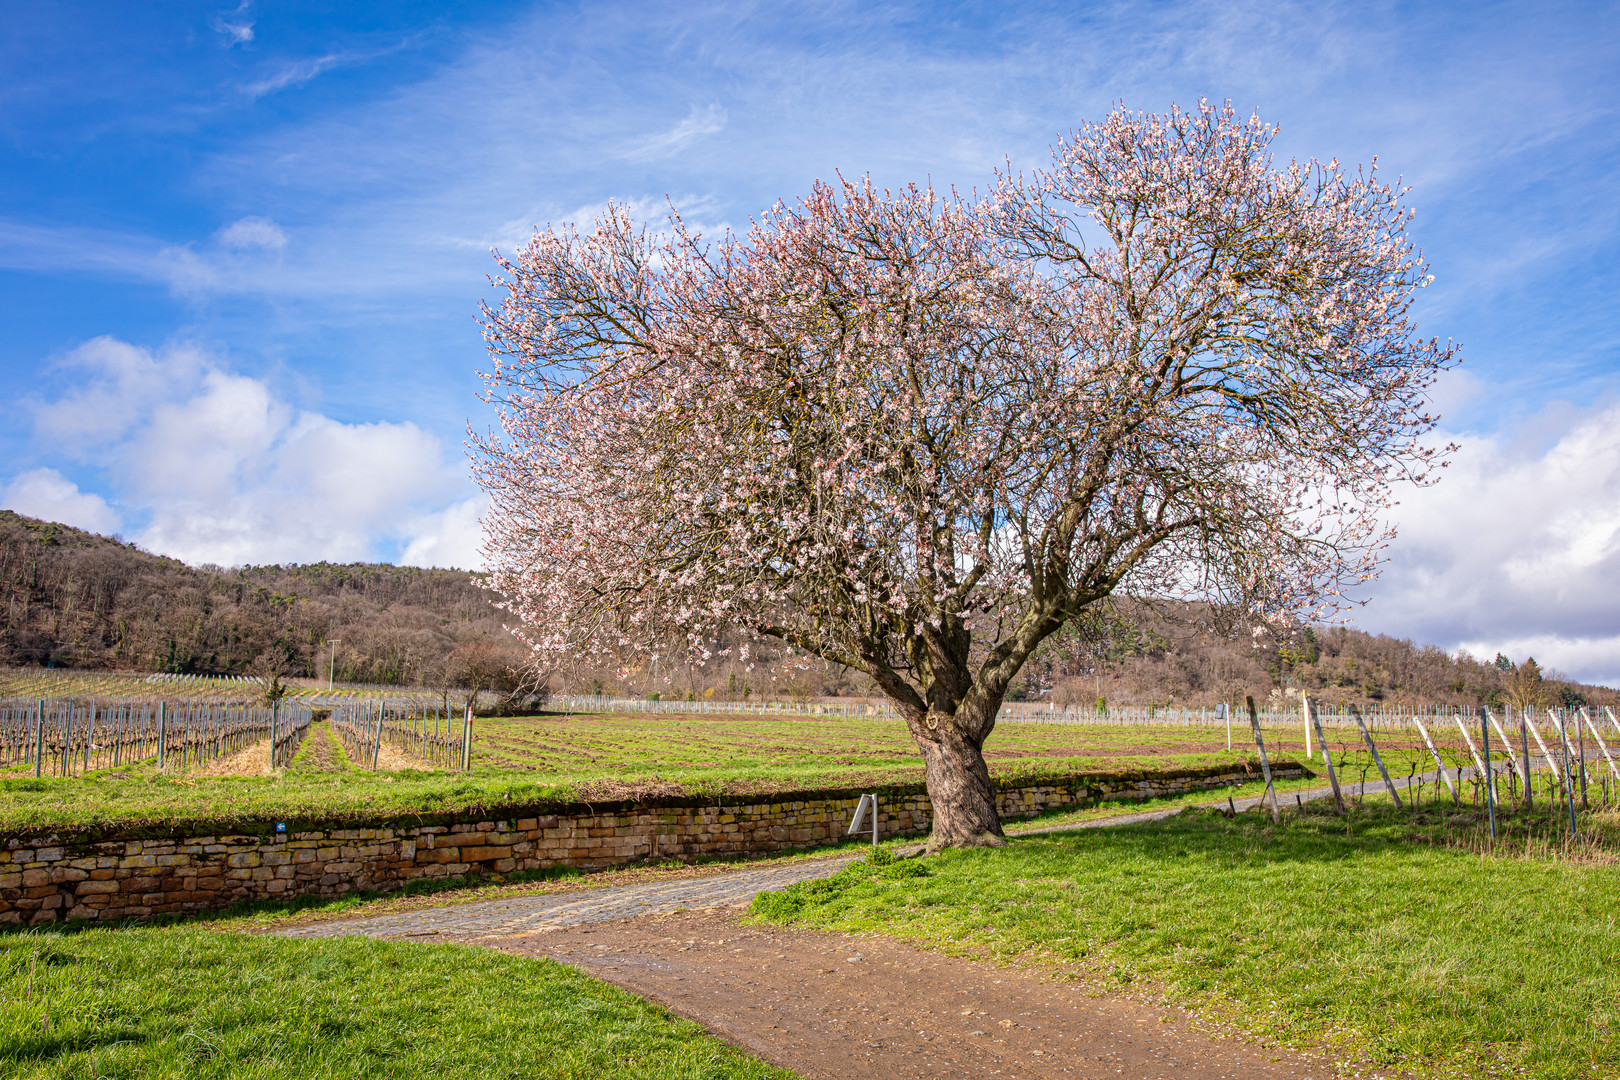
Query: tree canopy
point(917, 433)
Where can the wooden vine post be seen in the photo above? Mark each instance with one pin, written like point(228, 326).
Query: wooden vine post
point(466, 738)
point(1546, 754)
point(1440, 764)
point(1602, 746)
point(1507, 743)
point(1490, 780)
point(1366, 737)
point(1524, 752)
point(1569, 787)
point(1265, 764)
point(1312, 719)
point(1479, 766)
point(1580, 738)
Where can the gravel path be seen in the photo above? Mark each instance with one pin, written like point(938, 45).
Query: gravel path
point(531, 914)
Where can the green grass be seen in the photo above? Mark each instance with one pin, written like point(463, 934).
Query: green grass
point(320, 752)
point(193, 1003)
point(1107, 808)
point(1390, 938)
point(564, 759)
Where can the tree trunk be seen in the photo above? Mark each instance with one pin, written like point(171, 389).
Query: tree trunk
point(964, 800)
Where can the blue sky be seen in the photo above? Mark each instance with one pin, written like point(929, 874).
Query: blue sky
point(242, 248)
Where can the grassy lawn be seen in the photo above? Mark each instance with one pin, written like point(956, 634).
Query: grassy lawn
point(1391, 938)
point(187, 1002)
point(564, 759)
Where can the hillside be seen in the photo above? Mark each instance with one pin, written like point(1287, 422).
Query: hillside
point(75, 599)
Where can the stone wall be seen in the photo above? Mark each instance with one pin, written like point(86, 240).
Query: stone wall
point(43, 879)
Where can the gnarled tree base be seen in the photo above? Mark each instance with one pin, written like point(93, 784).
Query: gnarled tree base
point(937, 843)
point(959, 787)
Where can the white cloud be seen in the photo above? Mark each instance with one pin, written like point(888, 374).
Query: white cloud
point(110, 386)
point(47, 494)
point(1517, 548)
point(708, 120)
point(224, 471)
point(252, 232)
point(449, 538)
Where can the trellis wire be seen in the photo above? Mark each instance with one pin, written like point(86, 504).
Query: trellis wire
point(72, 737)
point(1378, 718)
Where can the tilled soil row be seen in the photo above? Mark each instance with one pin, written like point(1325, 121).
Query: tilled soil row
point(322, 753)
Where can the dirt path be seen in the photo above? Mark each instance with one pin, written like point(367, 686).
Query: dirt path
point(840, 1006)
point(843, 1006)
point(832, 1005)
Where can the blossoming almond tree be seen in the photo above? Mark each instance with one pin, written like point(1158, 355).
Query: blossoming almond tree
point(917, 434)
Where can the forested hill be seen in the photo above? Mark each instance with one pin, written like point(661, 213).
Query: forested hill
point(76, 599)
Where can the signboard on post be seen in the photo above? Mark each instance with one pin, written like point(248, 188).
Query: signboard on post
point(867, 805)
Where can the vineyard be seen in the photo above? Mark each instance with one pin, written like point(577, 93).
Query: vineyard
point(422, 733)
point(78, 746)
point(59, 737)
point(131, 686)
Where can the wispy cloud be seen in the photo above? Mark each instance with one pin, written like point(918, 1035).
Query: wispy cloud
point(294, 74)
point(700, 122)
point(236, 29)
point(252, 232)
